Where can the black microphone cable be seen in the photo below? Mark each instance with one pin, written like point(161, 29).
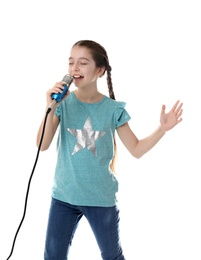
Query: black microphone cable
point(57, 97)
point(29, 183)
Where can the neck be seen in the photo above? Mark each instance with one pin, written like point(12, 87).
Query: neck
point(88, 96)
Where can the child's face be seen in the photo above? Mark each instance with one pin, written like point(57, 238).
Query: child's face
point(82, 67)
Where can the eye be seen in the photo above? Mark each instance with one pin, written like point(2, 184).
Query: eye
point(83, 63)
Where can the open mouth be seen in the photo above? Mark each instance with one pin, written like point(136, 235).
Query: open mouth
point(78, 77)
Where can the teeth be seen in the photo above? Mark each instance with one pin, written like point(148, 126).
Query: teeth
point(77, 76)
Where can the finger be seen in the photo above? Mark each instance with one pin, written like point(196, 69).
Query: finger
point(179, 113)
point(179, 120)
point(176, 105)
point(58, 88)
point(163, 109)
point(179, 108)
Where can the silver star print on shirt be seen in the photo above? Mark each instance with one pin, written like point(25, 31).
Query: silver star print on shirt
point(86, 137)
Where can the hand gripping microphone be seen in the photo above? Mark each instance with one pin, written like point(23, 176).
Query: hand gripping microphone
point(57, 97)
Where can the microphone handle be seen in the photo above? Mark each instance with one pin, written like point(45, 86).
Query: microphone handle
point(57, 97)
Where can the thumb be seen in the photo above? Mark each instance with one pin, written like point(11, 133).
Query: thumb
point(163, 109)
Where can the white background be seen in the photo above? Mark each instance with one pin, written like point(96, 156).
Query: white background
point(155, 54)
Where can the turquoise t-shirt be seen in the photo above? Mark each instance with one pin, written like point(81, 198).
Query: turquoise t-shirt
point(85, 149)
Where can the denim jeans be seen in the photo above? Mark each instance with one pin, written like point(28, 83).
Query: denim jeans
point(63, 221)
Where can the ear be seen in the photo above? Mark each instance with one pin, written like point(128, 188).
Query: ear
point(101, 71)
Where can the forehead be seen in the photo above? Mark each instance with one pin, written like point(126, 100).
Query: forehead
point(79, 52)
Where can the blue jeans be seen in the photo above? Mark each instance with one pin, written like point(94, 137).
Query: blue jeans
point(63, 221)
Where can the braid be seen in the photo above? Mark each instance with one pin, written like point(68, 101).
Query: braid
point(111, 94)
point(109, 82)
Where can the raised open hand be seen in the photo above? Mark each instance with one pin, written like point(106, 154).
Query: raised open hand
point(172, 118)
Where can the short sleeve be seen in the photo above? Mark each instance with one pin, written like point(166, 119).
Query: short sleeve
point(121, 115)
point(58, 111)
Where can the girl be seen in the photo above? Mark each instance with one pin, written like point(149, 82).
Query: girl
point(84, 183)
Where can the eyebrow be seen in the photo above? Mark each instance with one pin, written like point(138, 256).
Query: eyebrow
point(81, 58)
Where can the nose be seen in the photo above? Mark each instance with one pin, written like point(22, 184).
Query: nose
point(75, 67)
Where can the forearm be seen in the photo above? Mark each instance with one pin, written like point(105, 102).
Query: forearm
point(146, 144)
point(49, 131)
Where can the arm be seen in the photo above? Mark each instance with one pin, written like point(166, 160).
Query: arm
point(52, 120)
point(137, 147)
point(50, 130)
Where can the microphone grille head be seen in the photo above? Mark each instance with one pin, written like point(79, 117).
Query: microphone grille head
point(67, 79)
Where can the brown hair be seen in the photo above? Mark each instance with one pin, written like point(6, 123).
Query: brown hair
point(100, 57)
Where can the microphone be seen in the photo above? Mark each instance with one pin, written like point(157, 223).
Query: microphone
point(57, 97)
